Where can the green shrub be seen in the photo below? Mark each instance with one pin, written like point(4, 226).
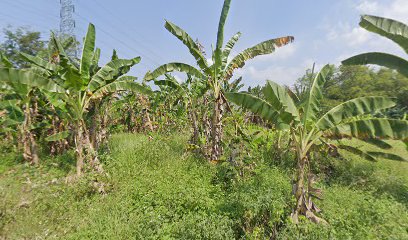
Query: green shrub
point(353, 214)
point(260, 204)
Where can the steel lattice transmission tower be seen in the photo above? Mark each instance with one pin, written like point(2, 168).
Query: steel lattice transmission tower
point(67, 22)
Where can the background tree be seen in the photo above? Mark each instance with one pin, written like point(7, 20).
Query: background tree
point(347, 82)
point(398, 33)
point(21, 40)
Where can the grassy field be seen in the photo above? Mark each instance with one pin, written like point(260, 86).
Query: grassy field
point(158, 191)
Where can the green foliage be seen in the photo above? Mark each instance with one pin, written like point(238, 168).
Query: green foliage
point(166, 193)
point(353, 214)
point(394, 31)
point(21, 40)
point(348, 82)
point(311, 134)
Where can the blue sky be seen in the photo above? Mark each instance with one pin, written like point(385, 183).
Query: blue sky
point(325, 31)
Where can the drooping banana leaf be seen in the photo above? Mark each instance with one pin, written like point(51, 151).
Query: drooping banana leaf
point(28, 78)
point(378, 143)
point(357, 152)
point(352, 108)
point(120, 86)
point(372, 128)
point(381, 59)
point(279, 98)
point(39, 62)
point(257, 106)
point(189, 43)
point(171, 67)
point(389, 156)
point(389, 28)
point(262, 48)
point(110, 71)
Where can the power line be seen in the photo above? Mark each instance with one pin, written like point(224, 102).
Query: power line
point(85, 20)
point(14, 18)
point(21, 6)
point(36, 9)
point(117, 39)
point(28, 10)
point(116, 17)
point(139, 52)
point(102, 41)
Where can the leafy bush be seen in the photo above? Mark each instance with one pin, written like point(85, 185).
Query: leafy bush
point(260, 204)
point(354, 214)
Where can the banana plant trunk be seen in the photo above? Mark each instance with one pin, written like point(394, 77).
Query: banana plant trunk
point(298, 188)
point(103, 128)
point(207, 129)
point(301, 189)
point(30, 149)
point(60, 146)
point(194, 125)
point(217, 128)
point(94, 128)
point(147, 123)
point(84, 150)
point(79, 151)
point(98, 129)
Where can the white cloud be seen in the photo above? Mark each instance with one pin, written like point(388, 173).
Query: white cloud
point(395, 9)
point(367, 6)
point(347, 34)
point(280, 74)
point(357, 36)
point(286, 75)
point(341, 39)
point(353, 38)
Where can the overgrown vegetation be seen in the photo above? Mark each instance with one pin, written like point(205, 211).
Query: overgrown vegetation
point(166, 193)
point(89, 153)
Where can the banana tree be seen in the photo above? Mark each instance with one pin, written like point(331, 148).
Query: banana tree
point(309, 132)
point(19, 90)
point(84, 83)
point(21, 85)
point(390, 29)
point(217, 72)
point(185, 95)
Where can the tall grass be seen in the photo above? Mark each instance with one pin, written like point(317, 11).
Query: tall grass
point(157, 190)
